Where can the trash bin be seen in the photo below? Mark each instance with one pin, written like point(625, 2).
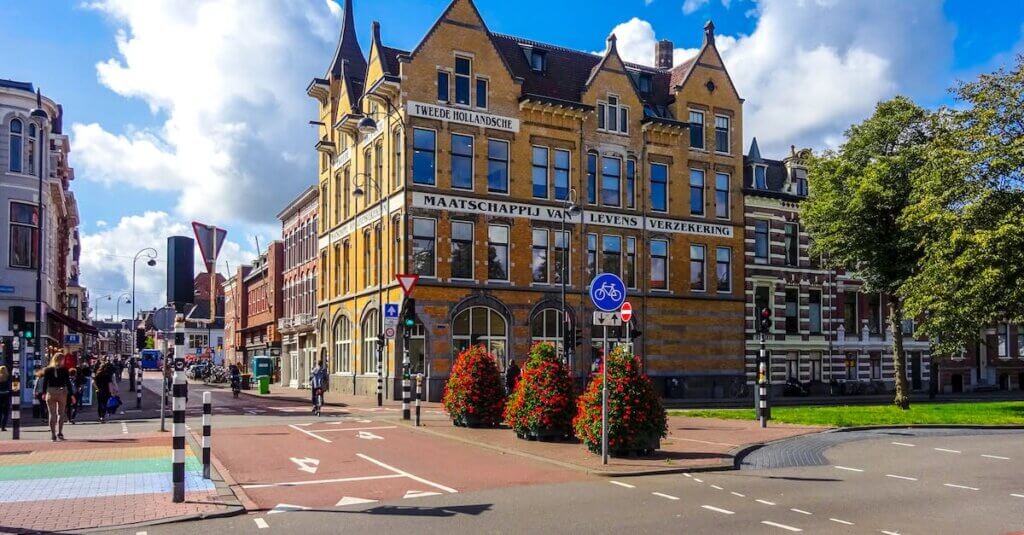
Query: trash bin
point(264, 382)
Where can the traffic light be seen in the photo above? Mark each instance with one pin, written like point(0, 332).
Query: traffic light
point(16, 318)
point(634, 332)
point(577, 337)
point(409, 318)
point(140, 339)
point(28, 330)
point(764, 324)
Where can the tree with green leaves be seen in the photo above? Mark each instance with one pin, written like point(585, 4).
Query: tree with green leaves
point(970, 210)
point(859, 195)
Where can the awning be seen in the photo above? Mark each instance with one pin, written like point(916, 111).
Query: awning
point(71, 323)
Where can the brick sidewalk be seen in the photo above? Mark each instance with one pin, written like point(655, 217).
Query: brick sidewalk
point(100, 482)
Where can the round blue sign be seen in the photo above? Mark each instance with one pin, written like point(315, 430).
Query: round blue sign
point(607, 292)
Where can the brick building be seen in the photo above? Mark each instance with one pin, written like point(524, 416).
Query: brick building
point(298, 318)
point(481, 142)
point(233, 315)
point(995, 361)
point(825, 327)
point(259, 307)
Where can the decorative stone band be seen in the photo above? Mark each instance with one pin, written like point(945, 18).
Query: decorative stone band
point(436, 201)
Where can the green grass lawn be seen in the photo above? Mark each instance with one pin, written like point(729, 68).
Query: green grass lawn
point(977, 413)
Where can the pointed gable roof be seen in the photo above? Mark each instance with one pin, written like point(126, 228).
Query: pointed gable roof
point(681, 73)
point(483, 25)
point(348, 46)
point(754, 154)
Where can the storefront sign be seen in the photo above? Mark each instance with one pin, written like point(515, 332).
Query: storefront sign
point(464, 116)
point(490, 207)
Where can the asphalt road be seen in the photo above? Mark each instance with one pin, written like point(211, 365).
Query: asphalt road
point(900, 482)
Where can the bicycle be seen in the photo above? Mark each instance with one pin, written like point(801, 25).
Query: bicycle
point(607, 291)
point(318, 401)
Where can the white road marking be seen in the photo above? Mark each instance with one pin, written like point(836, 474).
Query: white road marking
point(738, 494)
point(904, 444)
point(995, 457)
point(890, 532)
point(366, 435)
point(947, 451)
point(706, 442)
point(716, 487)
point(355, 428)
point(698, 480)
point(894, 476)
point(318, 437)
point(666, 496)
point(407, 474)
point(959, 486)
point(621, 484)
point(286, 508)
point(1017, 495)
point(801, 511)
point(124, 428)
point(777, 525)
point(838, 521)
point(847, 468)
point(718, 510)
point(352, 500)
point(419, 494)
point(687, 475)
point(766, 502)
point(306, 464)
point(260, 523)
point(319, 481)
point(141, 533)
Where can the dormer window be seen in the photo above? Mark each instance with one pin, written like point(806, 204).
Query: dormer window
point(800, 181)
point(643, 82)
point(760, 177)
point(537, 60)
point(612, 116)
point(463, 66)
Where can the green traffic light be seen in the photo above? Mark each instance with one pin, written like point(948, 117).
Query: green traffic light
point(409, 322)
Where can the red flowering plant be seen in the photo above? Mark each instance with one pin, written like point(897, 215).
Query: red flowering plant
point(636, 417)
point(474, 395)
point(541, 405)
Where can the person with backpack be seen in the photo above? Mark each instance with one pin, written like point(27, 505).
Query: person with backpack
point(318, 384)
point(103, 379)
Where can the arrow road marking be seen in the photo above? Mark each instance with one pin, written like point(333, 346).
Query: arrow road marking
point(366, 435)
point(307, 464)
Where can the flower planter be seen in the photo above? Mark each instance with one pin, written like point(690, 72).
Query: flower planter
point(646, 446)
point(544, 434)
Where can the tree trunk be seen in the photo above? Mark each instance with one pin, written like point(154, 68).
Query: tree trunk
point(899, 357)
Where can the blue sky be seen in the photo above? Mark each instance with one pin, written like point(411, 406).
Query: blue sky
point(198, 110)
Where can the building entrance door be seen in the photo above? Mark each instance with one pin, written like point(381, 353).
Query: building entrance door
point(958, 383)
point(915, 370)
point(294, 368)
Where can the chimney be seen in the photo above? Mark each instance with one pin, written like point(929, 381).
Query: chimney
point(663, 54)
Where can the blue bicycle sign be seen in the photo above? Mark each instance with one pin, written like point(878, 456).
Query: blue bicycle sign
point(607, 292)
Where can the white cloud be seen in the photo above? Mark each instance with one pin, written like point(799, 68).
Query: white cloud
point(812, 68)
point(228, 77)
point(689, 6)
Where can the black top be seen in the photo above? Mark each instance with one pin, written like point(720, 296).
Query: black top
point(56, 378)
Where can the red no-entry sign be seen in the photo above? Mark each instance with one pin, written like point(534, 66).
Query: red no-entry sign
point(626, 311)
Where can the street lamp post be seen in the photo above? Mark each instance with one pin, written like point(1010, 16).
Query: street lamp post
point(39, 114)
point(151, 256)
point(571, 208)
point(117, 313)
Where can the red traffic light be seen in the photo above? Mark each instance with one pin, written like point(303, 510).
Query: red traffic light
point(765, 313)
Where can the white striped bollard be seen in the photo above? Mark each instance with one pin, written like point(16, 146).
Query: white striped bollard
point(178, 440)
point(16, 415)
point(380, 382)
point(138, 387)
point(419, 396)
point(207, 415)
point(406, 393)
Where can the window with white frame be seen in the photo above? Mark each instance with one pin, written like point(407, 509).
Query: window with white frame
point(15, 146)
point(1003, 340)
point(24, 232)
point(697, 268)
point(546, 326)
point(539, 172)
point(462, 161)
point(539, 262)
point(659, 264)
point(722, 134)
point(562, 159)
point(721, 195)
point(659, 187)
point(696, 192)
point(497, 166)
point(462, 250)
point(696, 129)
point(611, 179)
point(463, 68)
point(424, 246)
point(792, 366)
point(723, 269)
point(815, 362)
point(561, 261)
point(497, 253)
point(370, 328)
point(342, 345)
point(612, 116)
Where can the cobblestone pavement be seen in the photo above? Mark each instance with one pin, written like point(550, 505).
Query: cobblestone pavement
point(809, 450)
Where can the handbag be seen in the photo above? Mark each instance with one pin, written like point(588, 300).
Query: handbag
point(113, 403)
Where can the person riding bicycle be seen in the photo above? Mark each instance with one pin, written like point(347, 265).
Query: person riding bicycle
point(236, 379)
point(318, 384)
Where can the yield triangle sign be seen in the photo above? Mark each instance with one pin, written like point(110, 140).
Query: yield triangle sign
point(407, 282)
point(210, 240)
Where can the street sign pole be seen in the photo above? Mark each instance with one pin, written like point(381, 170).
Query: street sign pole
point(608, 293)
point(604, 399)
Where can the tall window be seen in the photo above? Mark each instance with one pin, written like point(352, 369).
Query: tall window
point(696, 192)
point(370, 329)
point(24, 235)
point(800, 180)
point(659, 187)
point(323, 279)
point(760, 177)
point(723, 269)
point(424, 156)
point(345, 195)
point(344, 273)
point(721, 133)
point(480, 325)
point(875, 308)
point(591, 178)
point(424, 242)
point(722, 195)
point(591, 255)
point(481, 93)
point(1002, 340)
point(851, 323)
point(442, 86)
point(815, 361)
point(851, 367)
point(697, 263)
point(630, 183)
point(761, 241)
point(696, 129)
point(562, 158)
point(539, 263)
point(15, 145)
point(793, 366)
point(32, 156)
point(497, 252)
point(539, 160)
point(396, 246)
point(814, 311)
point(462, 68)
point(378, 267)
point(876, 365)
point(340, 278)
point(659, 264)
point(612, 116)
point(396, 160)
point(462, 250)
point(561, 260)
point(611, 254)
point(792, 244)
point(342, 345)
point(497, 166)
point(462, 161)
point(546, 326)
point(367, 255)
point(378, 154)
point(629, 269)
point(611, 173)
point(792, 311)
point(369, 197)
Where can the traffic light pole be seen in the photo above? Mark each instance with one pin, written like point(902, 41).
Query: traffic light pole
point(761, 394)
point(406, 382)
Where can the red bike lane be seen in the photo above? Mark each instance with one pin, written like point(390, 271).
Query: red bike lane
point(353, 460)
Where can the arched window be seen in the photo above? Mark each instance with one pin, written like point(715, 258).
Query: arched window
point(546, 326)
point(370, 328)
point(481, 325)
point(32, 156)
point(14, 164)
point(342, 345)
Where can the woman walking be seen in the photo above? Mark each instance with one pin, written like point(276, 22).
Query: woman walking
point(5, 397)
point(57, 388)
point(76, 395)
point(103, 379)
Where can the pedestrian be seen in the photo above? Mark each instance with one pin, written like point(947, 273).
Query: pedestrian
point(318, 383)
point(103, 379)
point(75, 399)
point(57, 386)
point(511, 375)
point(132, 370)
point(5, 397)
point(39, 408)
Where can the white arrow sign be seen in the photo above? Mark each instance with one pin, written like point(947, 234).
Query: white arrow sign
point(366, 435)
point(307, 464)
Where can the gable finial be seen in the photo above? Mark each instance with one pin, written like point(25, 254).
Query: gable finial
point(709, 32)
point(611, 41)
